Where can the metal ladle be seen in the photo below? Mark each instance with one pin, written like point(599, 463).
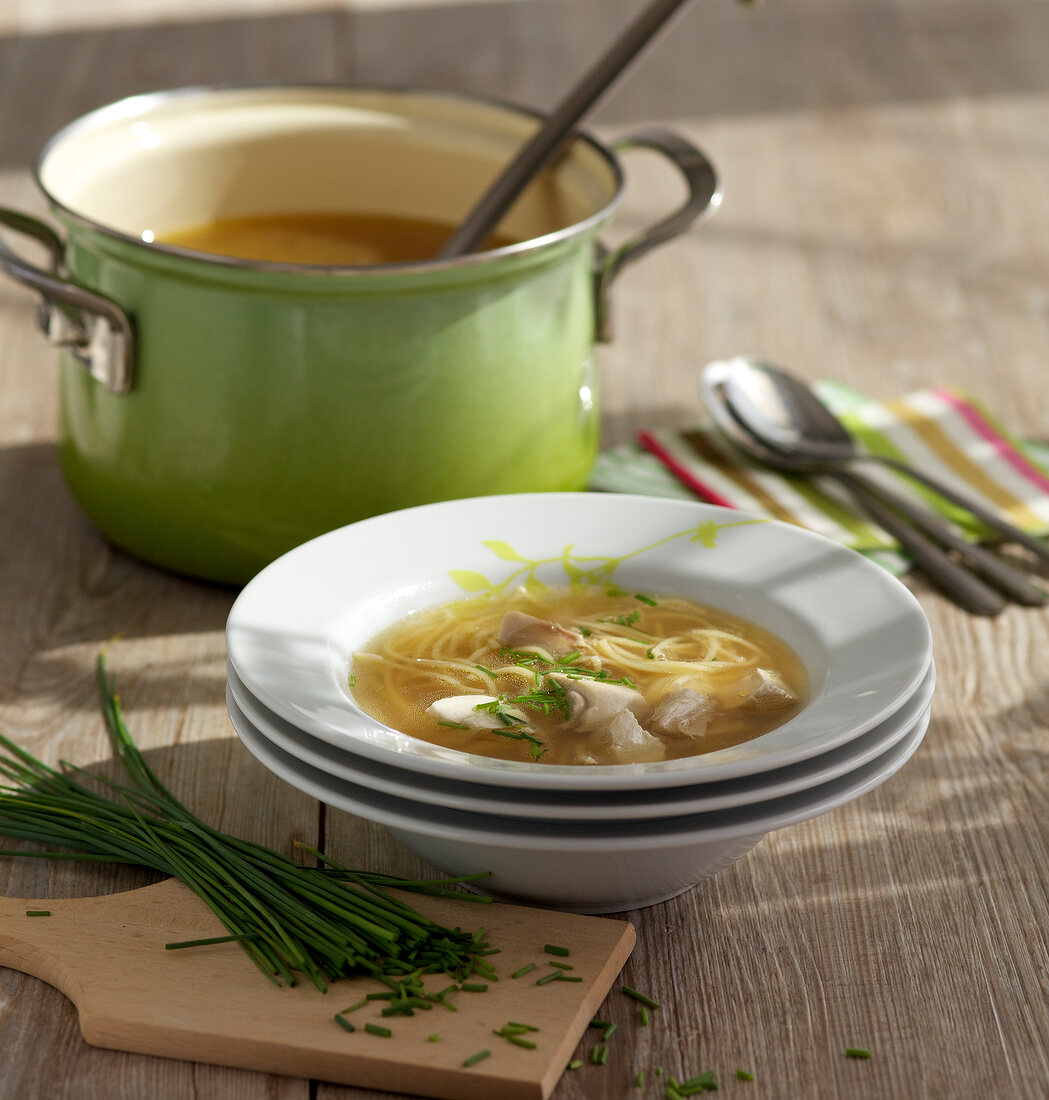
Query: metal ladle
point(924, 542)
point(549, 138)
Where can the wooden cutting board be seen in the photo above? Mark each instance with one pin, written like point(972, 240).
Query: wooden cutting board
point(210, 1004)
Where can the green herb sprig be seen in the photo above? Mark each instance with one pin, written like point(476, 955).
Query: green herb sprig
point(324, 922)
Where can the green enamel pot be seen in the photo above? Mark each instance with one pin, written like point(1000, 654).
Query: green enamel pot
point(216, 412)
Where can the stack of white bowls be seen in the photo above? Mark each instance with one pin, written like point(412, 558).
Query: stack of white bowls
point(603, 838)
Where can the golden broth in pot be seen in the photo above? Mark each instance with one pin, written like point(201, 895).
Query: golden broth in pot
point(333, 239)
point(568, 676)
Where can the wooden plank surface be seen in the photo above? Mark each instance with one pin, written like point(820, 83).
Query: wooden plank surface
point(886, 223)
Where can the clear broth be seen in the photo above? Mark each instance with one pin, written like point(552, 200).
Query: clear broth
point(328, 239)
point(435, 653)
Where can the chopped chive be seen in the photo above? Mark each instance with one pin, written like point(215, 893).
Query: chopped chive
point(352, 681)
point(644, 1016)
point(519, 1042)
point(432, 1038)
point(650, 655)
point(187, 943)
point(377, 1029)
point(344, 1023)
point(599, 1055)
point(599, 1023)
point(354, 1007)
point(743, 1075)
point(702, 1082)
point(474, 987)
point(574, 1064)
point(639, 997)
point(585, 631)
point(523, 971)
point(672, 1093)
point(547, 978)
point(47, 913)
point(553, 949)
point(561, 966)
point(452, 725)
point(527, 1027)
point(478, 1057)
point(645, 599)
point(857, 1052)
point(608, 1032)
point(639, 1080)
point(487, 671)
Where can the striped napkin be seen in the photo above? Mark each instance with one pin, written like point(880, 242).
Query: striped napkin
point(945, 433)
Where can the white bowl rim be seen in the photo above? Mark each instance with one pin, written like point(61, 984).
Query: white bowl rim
point(341, 764)
point(507, 832)
point(281, 628)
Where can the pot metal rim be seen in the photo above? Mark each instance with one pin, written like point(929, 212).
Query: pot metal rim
point(150, 99)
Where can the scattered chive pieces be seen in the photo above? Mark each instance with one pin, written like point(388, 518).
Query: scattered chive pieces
point(378, 1029)
point(561, 966)
point(452, 725)
point(553, 949)
point(478, 1057)
point(474, 987)
point(743, 1075)
point(857, 1052)
point(608, 1032)
point(527, 1027)
point(432, 1038)
point(645, 599)
point(352, 681)
point(599, 1055)
point(46, 913)
point(639, 1080)
point(359, 1004)
point(702, 1082)
point(547, 978)
point(639, 997)
point(519, 1042)
point(523, 971)
point(487, 671)
point(344, 1023)
point(659, 1071)
point(574, 1064)
point(644, 1016)
point(599, 1023)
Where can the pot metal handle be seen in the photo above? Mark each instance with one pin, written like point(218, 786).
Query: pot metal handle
point(94, 328)
point(704, 197)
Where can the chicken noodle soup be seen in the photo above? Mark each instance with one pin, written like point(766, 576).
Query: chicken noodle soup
point(570, 676)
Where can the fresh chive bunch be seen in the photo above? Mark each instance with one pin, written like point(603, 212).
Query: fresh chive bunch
point(322, 922)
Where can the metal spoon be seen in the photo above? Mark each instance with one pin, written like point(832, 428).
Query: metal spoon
point(549, 138)
point(784, 413)
point(997, 571)
point(954, 579)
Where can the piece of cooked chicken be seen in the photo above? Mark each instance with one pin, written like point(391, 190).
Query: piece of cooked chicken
point(631, 741)
point(593, 704)
point(463, 710)
point(687, 712)
point(765, 689)
point(521, 631)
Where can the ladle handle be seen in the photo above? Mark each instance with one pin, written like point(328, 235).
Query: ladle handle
point(546, 141)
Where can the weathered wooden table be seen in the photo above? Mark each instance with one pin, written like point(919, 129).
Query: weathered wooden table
point(886, 223)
